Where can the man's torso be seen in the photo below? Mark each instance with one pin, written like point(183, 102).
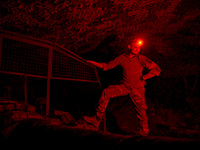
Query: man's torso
point(132, 71)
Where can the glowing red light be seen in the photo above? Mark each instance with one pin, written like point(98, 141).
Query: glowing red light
point(140, 42)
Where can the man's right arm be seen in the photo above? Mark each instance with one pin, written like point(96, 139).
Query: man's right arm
point(97, 64)
point(106, 66)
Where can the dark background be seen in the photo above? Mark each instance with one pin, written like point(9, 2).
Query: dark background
point(100, 30)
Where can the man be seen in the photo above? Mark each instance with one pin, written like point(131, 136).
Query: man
point(132, 84)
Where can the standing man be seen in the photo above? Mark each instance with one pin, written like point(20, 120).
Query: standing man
point(133, 84)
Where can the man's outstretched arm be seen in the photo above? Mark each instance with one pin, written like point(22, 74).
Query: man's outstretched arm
point(97, 64)
point(106, 66)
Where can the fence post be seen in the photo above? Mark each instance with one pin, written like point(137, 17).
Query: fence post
point(50, 57)
point(1, 41)
point(25, 93)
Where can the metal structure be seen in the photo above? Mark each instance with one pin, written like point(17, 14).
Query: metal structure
point(26, 56)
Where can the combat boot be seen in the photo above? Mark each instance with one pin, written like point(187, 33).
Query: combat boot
point(94, 120)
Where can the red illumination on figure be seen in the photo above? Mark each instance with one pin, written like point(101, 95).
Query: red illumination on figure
point(132, 84)
point(135, 45)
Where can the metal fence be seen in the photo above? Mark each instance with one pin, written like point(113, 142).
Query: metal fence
point(26, 56)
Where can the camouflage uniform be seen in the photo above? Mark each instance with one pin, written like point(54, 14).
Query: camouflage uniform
point(131, 84)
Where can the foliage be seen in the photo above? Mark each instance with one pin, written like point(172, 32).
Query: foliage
point(170, 28)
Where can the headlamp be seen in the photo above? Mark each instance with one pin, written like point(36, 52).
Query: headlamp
point(139, 42)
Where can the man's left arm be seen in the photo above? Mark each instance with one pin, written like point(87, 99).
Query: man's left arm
point(154, 69)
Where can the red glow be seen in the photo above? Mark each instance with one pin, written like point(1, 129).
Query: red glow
point(140, 42)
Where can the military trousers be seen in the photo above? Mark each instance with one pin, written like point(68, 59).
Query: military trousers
point(137, 95)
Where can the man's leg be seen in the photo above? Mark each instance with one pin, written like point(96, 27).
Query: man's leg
point(138, 98)
point(110, 92)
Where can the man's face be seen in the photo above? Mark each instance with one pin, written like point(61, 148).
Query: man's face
point(134, 47)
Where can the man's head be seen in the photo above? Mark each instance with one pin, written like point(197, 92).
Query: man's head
point(135, 45)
